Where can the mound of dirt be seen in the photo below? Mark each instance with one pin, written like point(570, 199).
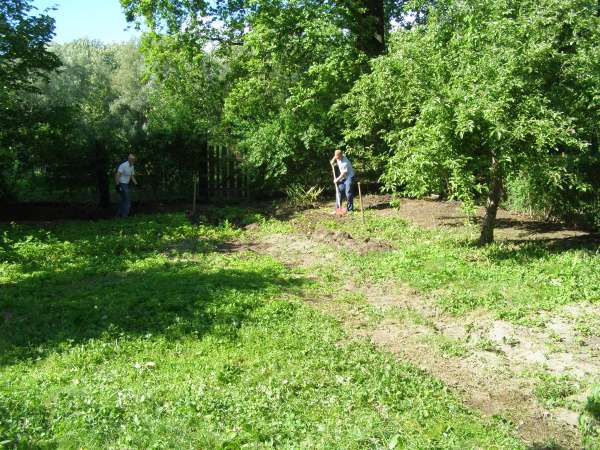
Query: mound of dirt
point(346, 240)
point(329, 236)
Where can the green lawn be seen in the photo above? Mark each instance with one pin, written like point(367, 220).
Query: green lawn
point(514, 280)
point(142, 334)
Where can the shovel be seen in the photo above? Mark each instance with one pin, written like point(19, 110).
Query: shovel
point(339, 211)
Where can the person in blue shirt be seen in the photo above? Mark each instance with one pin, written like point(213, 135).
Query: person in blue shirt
point(344, 180)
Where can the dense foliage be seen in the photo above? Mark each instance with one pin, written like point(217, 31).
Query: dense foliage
point(86, 113)
point(23, 40)
point(481, 101)
point(472, 100)
point(98, 106)
point(23, 56)
point(285, 63)
point(485, 92)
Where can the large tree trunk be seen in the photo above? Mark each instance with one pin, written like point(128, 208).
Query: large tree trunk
point(100, 171)
point(491, 207)
point(371, 27)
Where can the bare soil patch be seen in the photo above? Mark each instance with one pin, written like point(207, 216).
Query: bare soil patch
point(482, 380)
point(491, 371)
point(344, 239)
point(438, 213)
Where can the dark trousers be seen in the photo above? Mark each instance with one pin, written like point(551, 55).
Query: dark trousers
point(125, 203)
point(345, 188)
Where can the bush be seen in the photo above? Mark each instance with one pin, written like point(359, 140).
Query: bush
point(530, 195)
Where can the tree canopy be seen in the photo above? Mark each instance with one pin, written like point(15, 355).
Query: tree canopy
point(483, 101)
point(24, 57)
point(484, 93)
point(23, 45)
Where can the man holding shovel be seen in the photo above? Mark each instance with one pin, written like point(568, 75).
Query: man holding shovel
point(343, 182)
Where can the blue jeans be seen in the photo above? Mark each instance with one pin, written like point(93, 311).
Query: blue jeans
point(345, 187)
point(125, 203)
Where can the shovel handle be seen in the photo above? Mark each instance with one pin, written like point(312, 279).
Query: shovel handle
point(337, 192)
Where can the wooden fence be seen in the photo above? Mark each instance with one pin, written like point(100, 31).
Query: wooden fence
point(220, 176)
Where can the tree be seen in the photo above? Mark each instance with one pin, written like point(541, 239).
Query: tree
point(24, 58)
point(85, 85)
point(185, 103)
point(90, 112)
point(226, 21)
point(368, 22)
point(286, 64)
point(485, 90)
point(295, 63)
point(23, 45)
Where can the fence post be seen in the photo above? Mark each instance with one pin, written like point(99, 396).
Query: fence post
point(220, 171)
point(229, 161)
point(195, 183)
point(211, 171)
point(203, 173)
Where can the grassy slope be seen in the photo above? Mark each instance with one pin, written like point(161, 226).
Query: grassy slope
point(137, 334)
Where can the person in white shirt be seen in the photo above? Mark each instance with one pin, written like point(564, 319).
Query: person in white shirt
point(344, 180)
point(124, 175)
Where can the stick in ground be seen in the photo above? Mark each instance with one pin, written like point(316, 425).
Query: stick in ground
point(362, 211)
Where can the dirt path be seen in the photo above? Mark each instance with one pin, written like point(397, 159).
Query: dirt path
point(487, 362)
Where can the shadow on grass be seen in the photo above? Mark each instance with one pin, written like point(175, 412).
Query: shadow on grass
point(377, 206)
point(522, 251)
point(104, 244)
point(175, 300)
point(530, 225)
